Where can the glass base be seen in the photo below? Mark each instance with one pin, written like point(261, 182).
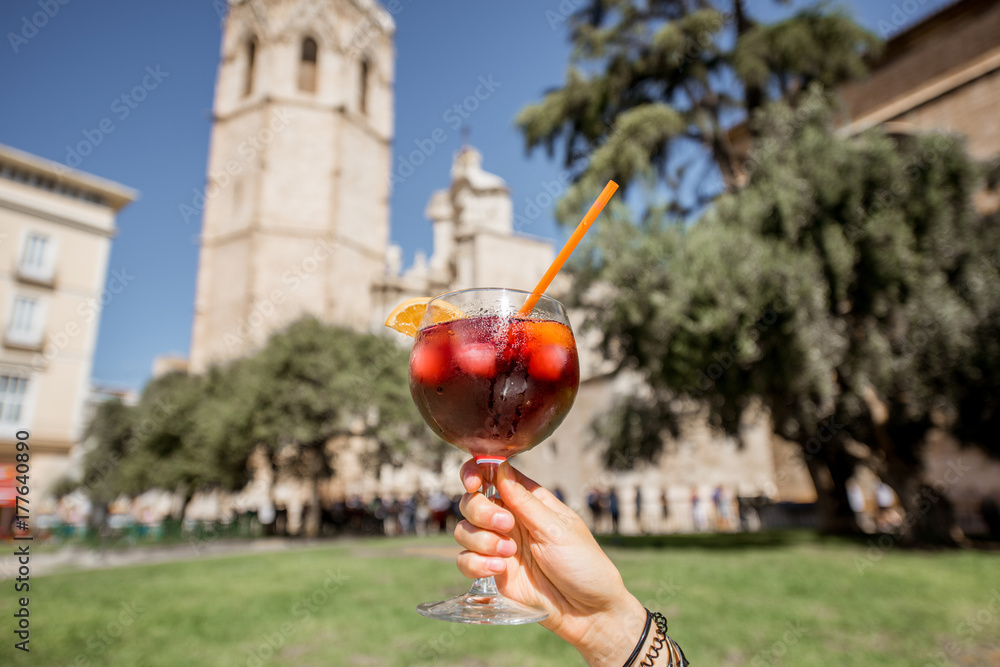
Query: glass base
point(482, 609)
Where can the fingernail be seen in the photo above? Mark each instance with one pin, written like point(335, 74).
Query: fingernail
point(502, 475)
point(506, 548)
point(502, 521)
point(496, 565)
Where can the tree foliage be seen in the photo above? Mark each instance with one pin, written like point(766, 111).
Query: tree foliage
point(654, 87)
point(851, 286)
point(844, 283)
point(110, 429)
point(310, 384)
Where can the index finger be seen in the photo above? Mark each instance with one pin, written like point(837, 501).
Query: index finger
point(471, 477)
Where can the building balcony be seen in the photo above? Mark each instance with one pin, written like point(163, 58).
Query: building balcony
point(23, 340)
point(44, 276)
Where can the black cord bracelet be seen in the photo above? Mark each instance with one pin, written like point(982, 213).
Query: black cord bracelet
point(642, 640)
point(661, 641)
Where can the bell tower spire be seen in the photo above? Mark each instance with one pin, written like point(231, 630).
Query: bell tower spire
point(296, 203)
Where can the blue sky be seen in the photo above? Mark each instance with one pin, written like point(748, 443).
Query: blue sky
point(62, 79)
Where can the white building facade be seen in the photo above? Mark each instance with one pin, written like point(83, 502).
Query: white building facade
point(55, 237)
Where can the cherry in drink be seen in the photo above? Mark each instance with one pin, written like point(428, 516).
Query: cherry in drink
point(494, 386)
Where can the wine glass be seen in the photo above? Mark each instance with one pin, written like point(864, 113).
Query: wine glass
point(493, 382)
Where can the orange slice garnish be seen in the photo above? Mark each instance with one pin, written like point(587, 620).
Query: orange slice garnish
point(406, 317)
point(546, 332)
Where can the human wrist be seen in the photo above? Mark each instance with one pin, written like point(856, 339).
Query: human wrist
point(657, 648)
point(613, 633)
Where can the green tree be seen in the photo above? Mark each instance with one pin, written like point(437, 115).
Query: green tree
point(110, 430)
point(654, 88)
point(148, 445)
point(163, 421)
point(812, 292)
point(851, 288)
point(310, 384)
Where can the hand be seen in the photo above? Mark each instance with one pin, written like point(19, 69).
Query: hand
point(542, 554)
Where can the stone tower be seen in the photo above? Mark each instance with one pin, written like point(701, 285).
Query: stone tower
point(296, 210)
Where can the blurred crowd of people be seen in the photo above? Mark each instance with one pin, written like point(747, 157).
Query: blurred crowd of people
point(609, 510)
point(719, 511)
point(417, 514)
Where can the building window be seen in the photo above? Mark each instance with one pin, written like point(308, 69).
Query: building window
point(25, 324)
point(307, 65)
point(12, 392)
point(37, 260)
point(251, 63)
point(363, 75)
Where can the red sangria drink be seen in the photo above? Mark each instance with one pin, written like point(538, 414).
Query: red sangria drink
point(494, 385)
point(493, 372)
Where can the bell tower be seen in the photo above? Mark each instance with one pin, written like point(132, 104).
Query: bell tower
point(296, 202)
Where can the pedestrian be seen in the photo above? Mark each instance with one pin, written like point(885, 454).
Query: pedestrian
point(665, 505)
point(594, 503)
point(408, 515)
point(698, 516)
point(638, 509)
point(440, 506)
point(613, 509)
point(717, 503)
point(423, 515)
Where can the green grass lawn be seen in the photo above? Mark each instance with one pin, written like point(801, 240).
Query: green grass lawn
point(783, 599)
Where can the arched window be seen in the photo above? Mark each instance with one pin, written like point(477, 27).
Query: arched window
point(307, 65)
point(251, 62)
point(363, 82)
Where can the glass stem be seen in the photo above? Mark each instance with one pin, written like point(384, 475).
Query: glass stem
point(487, 586)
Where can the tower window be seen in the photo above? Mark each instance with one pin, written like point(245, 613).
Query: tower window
point(363, 94)
point(307, 66)
point(251, 62)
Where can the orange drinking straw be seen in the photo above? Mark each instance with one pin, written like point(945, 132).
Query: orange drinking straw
point(570, 246)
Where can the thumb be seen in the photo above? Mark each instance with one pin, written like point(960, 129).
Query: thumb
point(529, 511)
